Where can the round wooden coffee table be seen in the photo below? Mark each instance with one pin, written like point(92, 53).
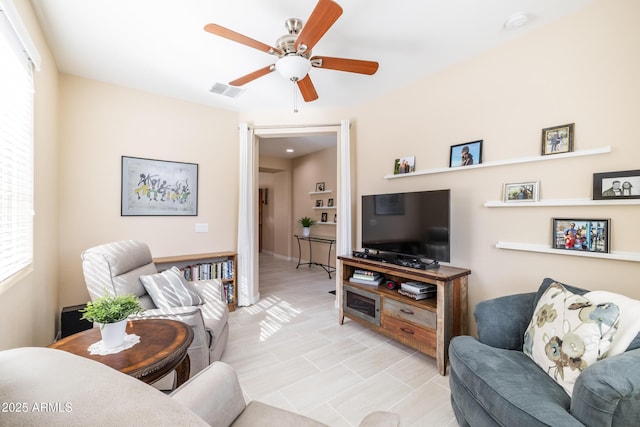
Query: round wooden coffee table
point(162, 348)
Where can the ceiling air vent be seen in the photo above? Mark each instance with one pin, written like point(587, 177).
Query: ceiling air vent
point(226, 90)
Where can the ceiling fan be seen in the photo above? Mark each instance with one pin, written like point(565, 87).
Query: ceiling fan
point(294, 50)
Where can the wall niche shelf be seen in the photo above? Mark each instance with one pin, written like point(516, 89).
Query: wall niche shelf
point(562, 202)
point(530, 159)
point(621, 256)
point(324, 207)
point(321, 192)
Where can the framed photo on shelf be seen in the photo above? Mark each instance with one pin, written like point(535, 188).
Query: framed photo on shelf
point(616, 185)
point(319, 203)
point(404, 165)
point(330, 203)
point(557, 139)
point(521, 192)
point(589, 235)
point(323, 217)
point(158, 188)
point(319, 186)
point(466, 154)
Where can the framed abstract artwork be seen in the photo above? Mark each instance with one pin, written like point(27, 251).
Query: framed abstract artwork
point(158, 188)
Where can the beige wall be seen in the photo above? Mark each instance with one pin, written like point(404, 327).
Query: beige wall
point(29, 300)
point(309, 170)
point(275, 176)
point(289, 183)
point(99, 123)
point(581, 69)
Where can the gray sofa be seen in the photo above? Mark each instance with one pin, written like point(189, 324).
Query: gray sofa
point(48, 387)
point(493, 383)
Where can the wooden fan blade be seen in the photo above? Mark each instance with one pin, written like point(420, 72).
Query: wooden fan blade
point(342, 64)
point(252, 76)
point(307, 89)
point(321, 19)
point(239, 38)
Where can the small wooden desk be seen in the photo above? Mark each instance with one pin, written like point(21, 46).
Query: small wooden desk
point(162, 348)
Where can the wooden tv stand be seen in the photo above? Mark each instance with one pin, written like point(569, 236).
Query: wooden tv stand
point(426, 325)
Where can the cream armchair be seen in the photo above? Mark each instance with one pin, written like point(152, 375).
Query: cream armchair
point(115, 269)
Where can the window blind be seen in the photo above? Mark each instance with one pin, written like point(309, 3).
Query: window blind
point(16, 151)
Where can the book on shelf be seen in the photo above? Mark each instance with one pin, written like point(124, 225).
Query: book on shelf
point(209, 270)
point(375, 282)
point(416, 296)
point(366, 275)
point(228, 293)
point(365, 272)
point(417, 287)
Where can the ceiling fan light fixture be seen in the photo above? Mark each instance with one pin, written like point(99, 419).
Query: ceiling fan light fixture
point(293, 67)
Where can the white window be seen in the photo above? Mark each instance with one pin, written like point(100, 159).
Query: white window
point(16, 144)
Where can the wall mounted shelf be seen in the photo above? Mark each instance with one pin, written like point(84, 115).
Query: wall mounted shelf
point(621, 256)
point(562, 202)
point(580, 153)
point(324, 207)
point(321, 192)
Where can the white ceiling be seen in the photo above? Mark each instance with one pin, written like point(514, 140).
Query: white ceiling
point(159, 46)
point(301, 144)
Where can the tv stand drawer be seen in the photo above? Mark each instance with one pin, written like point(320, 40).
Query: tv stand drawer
point(410, 313)
point(422, 339)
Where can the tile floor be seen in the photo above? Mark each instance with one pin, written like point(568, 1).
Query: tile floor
point(289, 351)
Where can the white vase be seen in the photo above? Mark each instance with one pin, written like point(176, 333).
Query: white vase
point(113, 333)
point(306, 231)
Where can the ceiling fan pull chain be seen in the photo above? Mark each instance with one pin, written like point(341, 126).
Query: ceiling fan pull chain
point(295, 97)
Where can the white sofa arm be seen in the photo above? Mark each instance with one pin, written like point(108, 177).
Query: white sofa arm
point(214, 394)
point(381, 419)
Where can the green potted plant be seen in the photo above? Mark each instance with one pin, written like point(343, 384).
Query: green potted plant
point(306, 223)
point(111, 313)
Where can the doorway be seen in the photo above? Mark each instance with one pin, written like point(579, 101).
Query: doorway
point(289, 169)
point(248, 289)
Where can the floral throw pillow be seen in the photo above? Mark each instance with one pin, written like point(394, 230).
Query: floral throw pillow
point(568, 333)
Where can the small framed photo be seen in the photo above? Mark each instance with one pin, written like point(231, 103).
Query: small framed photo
point(589, 235)
point(330, 203)
point(323, 218)
point(335, 217)
point(404, 165)
point(465, 154)
point(319, 203)
point(319, 186)
point(616, 185)
point(521, 192)
point(557, 139)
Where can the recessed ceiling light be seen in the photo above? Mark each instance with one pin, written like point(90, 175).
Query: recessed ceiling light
point(289, 150)
point(516, 20)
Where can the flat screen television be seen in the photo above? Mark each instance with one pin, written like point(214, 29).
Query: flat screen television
point(414, 224)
